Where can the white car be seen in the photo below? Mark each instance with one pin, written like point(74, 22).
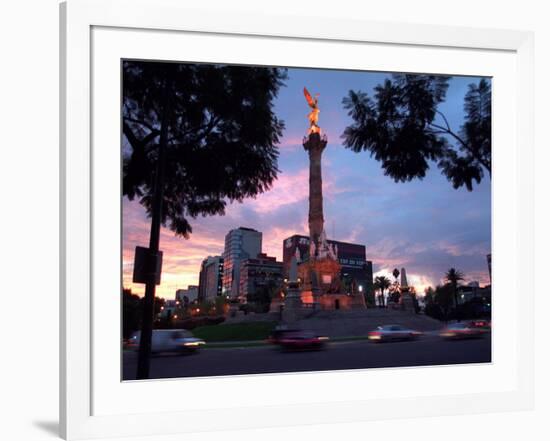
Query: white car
point(393, 333)
point(169, 340)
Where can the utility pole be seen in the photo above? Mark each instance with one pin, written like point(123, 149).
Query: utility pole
point(144, 356)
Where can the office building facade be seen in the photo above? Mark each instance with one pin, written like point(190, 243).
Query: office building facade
point(210, 278)
point(240, 244)
point(258, 273)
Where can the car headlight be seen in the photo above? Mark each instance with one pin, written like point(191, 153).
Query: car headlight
point(193, 343)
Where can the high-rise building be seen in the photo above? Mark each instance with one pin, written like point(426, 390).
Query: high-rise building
point(240, 244)
point(352, 258)
point(259, 272)
point(210, 278)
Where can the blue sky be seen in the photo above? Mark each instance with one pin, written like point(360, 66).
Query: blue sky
point(424, 225)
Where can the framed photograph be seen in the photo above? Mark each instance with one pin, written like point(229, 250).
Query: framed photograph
point(298, 224)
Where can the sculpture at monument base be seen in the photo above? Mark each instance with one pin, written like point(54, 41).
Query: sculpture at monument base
point(320, 276)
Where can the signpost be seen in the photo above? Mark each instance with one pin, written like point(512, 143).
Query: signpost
point(147, 265)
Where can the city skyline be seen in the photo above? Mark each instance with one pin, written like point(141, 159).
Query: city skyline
point(425, 226)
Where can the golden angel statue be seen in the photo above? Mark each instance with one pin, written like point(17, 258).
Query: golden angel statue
point(313, 116)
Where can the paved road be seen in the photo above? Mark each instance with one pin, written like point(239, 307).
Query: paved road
point(430, 350)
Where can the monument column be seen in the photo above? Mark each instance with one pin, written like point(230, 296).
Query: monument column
point(314, 144)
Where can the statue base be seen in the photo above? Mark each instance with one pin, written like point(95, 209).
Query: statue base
point(406, 301)
point(293, 306)
point(320, 276)
point(322, 288)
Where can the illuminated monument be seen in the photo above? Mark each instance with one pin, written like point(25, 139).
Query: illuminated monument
point(319, 272)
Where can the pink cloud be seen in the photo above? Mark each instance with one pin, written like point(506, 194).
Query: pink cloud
point(290, 143)
point(287, 189)
point(382, 253)
point(456, 249)
point(291, 188)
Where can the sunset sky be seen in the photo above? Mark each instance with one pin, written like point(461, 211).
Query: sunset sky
point(425, 226)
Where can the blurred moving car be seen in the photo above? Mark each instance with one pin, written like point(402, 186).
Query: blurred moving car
point(279, 332)
point(297, 339)
point(169, 340)
point(461, 330)
point(393, 333)
point(484, 325)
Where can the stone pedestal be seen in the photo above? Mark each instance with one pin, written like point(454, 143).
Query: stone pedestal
point(358, 301)
point(293, 305)
point(276, 305)
point(321, 276)
point(407, 302)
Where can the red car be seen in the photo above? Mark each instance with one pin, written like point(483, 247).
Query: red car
point(299, 340)
point(278, 334)
point(458, 331)
point(484, 325)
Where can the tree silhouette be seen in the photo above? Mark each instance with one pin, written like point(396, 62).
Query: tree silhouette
point(196, 136)
point(262, 295)
point(429, 295)
point(131, 313)
point(132, 306)
point(221, 135)
point(453, 276)
point(402, 128)
point(382, 283)
point(444, 299)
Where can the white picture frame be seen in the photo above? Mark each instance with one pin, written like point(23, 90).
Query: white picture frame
point(83, 377)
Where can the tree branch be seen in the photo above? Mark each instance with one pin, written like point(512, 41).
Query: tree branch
point(142, 123)
point(206, 128)
point(138, 144)
point(451, 133)
point(444, 119)
point(466, 146)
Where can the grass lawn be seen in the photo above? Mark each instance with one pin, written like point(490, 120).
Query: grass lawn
point(235, 331)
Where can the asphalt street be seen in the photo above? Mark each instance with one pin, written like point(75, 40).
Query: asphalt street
point(429, 350)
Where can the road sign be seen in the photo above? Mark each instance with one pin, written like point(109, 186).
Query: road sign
point(147, 265)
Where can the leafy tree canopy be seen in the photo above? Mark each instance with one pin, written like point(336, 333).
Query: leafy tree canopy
point(401, 126)
point(221, 140)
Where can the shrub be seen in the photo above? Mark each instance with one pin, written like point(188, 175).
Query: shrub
point(190, 323)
